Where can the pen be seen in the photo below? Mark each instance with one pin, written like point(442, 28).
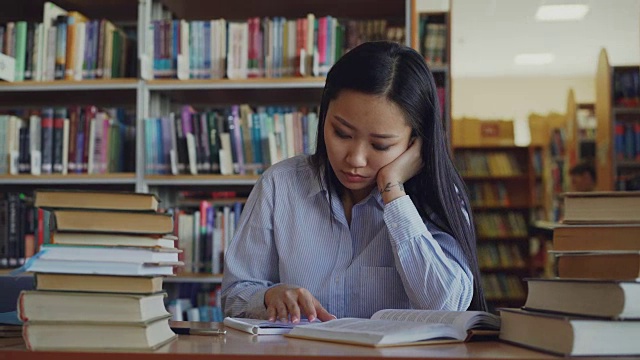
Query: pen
point(204, 332)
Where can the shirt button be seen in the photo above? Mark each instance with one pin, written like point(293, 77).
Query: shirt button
point(337, 280)
point(394, 225)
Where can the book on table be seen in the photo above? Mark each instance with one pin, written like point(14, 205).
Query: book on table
point(609, 299)
point(570, 335)
point(66, 335)
point(601, 207)
point(64, 306)
point(393, 327)
point(101, 267)
point(261, 327)
point(107, 239)
point(593, 237)
point(106, 221)
point(603, 264)
point(88, 199)
point(99, 283)
point(116, 254)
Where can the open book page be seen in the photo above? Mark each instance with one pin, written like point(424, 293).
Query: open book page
point(261, 327)
point(462, 320)
point(377, 332)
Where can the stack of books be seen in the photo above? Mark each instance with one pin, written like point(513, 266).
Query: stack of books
point(593, 306)
point(99, 277)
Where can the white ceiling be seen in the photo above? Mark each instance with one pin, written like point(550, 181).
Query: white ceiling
point(488, 34)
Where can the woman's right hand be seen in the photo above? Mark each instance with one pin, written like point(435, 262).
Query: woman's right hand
point(287, 301)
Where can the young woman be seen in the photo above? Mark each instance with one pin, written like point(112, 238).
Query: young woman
point(377, 218)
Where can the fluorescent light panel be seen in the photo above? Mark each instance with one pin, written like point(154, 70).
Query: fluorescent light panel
point(565, 12)
point(534, 59)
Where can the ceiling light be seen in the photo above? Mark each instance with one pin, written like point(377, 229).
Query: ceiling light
point(561, 12)
point(534, 59)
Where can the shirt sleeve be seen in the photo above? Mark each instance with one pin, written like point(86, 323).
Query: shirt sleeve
point(251, 259)
point(430, 262)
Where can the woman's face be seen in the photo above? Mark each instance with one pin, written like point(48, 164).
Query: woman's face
point(363, 133)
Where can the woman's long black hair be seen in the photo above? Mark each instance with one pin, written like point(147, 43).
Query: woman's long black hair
point(401, 75)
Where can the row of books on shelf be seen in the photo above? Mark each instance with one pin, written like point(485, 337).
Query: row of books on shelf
point(628, 179)
point(433, 36)
point(501, 224)
point(626, 87)
point(489, 194)
point(259, 47)
point(67, 45)
point(496, 256)
point(196, 302)
point(502, 287)
point(627, 140)
point(205, 233)
point(78, 139)
point(495, 163)
point(235, 140)
point(101, 292)
point(590, 308)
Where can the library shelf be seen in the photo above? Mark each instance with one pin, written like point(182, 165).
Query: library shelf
point(206, 180)
point(68, 179)
point(70, 85)
point(223, 84)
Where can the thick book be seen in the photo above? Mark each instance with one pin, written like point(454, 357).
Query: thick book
point(607, 265)
point(602, 207)
point(104, 239)
point(570, 335)
point(66, 306)
point(86, 336)
point(261, 327)
point(99, 283)
point(607, 299)
point(100, 267)
point(402, 327)
point(590, 237)
point(81, 199)
point(115, 254)
point(112, 222)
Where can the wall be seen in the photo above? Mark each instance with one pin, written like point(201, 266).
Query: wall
point(516, 97)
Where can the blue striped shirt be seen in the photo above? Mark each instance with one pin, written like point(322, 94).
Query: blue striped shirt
point(388, 258)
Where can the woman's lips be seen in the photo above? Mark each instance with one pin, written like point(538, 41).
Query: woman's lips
point(354, 178)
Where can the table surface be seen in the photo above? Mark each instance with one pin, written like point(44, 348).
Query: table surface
point(237, 345)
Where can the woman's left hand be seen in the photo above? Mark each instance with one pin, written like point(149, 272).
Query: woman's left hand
point(392, 176)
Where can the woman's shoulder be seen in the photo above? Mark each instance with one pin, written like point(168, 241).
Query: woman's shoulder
point(293, 167)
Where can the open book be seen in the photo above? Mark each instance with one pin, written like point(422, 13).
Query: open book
point(402, 327)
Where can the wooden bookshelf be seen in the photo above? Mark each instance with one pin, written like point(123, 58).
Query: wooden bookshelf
point(617, 166)
point(506, 191)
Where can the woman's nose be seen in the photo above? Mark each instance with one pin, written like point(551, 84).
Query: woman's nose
point(356, 157)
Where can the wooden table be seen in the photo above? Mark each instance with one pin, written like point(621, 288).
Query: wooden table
point(236, 345)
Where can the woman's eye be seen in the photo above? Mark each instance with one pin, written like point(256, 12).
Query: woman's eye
point(381, 147)
point(341, 135)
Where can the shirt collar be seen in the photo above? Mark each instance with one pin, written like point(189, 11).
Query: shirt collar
point(317, 184)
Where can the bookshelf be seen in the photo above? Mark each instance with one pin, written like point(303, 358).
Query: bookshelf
point(617, 110)
point(505, 185)
point(581, 131)
point(431, 36)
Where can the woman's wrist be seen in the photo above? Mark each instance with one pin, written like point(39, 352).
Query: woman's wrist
point(391, 190)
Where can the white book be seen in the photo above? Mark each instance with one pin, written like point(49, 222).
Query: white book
point(65, 147)
point(261, 327)
point(99, 267)
point(393, 327)
point(35, 132)
point(191, 150)
point(114, 254)
point(47, 56)
point(226, 161)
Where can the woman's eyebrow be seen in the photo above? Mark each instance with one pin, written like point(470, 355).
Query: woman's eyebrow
point(347, 124)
